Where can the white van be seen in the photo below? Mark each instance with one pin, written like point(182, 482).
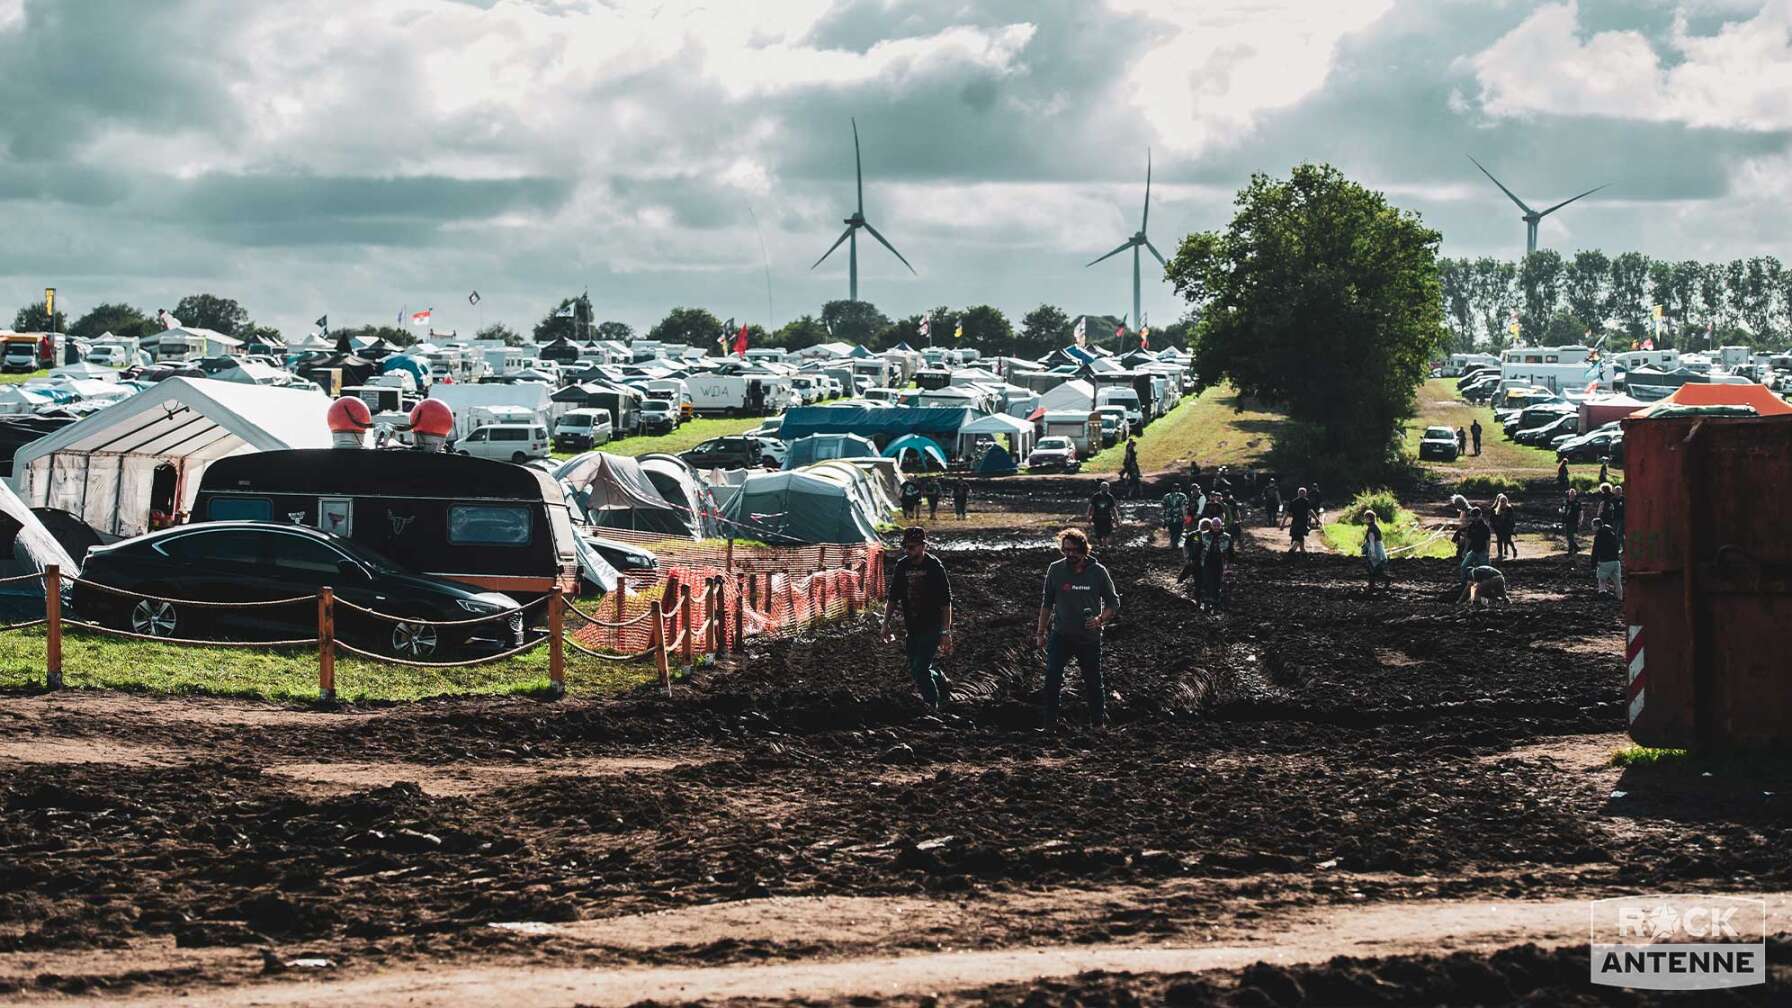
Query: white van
point(506, 442)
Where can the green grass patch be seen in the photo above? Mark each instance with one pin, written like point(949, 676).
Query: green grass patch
point(689, 435)
point(1637, 755)
point(1401, 533)
point(1490, 485)
point(15, 377)
point(1440, 405)
point(100, 662)
point(1213, 428)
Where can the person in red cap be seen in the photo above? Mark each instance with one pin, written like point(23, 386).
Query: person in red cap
point(920, 586)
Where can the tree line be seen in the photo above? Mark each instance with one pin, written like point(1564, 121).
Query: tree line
point(1559, 300)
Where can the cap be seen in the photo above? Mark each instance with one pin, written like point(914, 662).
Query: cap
point(914, 533)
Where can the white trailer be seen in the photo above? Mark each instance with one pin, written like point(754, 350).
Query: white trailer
point(466, 400)
point(737, 394)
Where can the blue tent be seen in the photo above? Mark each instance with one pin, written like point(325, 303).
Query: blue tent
point(402, 362)
point(924, 447)
point(996, 462)
point(875, 421)
point(819, 447)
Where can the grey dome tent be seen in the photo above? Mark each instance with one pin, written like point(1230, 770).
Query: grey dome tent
point(616, 492)
point(784, 508)
point(820, 447)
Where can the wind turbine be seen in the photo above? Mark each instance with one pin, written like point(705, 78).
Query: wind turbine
point(1138, 241)
point(1531, 217)
point(854, 223)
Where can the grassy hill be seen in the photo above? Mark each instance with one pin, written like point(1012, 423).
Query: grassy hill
point(1208, 428)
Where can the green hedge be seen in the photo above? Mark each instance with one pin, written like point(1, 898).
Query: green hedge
point(1490, 485)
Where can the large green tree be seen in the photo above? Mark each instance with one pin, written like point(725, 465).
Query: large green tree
point(1322, 297)
point(570, 318)
point(33, 318)
point(619, 331)
point(1042, 330)
point(854, 321)
point(501, 332)
point(800, 332)
point(986, 330)
point(693, 326)
point(117, 319)
point(208, 311)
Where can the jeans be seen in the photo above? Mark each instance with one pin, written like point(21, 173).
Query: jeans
point(921, 646)
point(1470, 560)
point(1087, 652)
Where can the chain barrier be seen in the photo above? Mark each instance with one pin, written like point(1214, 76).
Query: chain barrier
point(115, 632)
point(481, 660)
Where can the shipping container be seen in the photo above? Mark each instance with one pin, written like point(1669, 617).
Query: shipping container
point(1708, 582)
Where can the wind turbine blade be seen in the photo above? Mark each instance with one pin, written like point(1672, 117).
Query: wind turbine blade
point(1565, 202)
point(1155, 252)
point(832, 247)
point(1502, 185)
point(858, 170)
point(1123, 247)
point(886, 244)
point(1145, 218)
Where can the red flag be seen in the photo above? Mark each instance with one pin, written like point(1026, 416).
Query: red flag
point(1649, 343)
point(1120, 330)
point(740, 339)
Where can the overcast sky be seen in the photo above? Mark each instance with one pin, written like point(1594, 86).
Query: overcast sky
point(358, 157)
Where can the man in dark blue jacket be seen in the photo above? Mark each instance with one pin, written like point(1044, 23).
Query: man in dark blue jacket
point(920, 587)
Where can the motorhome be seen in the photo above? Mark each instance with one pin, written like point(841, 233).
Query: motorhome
point(1126, 398)
point(1457, 362)
point(1555, 368)
point(187, 343)
point(1654, 360)
point(765, 355)
point(1083, 428)
point(737, 394)
point(880, 370)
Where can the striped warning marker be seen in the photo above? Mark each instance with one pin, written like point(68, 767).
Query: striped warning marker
point(1634, 678)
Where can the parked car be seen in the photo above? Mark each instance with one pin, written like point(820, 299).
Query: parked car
point(1544, 433)
point(658, 416)
point(109, 355)
point(236, 562)
point(735, 452)
point(1053, 453)
point(506, 442)
point(1438, 443)
point(582, 430)
point(623, 556)
point(1593, 445)
point(1114, 425)
point(20, 355)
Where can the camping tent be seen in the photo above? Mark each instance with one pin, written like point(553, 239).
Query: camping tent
point(996, 462)
point(676, 481)
point(877, 502)
point(782, 508)
point(817, 447)
point(875, 422)
point(1071, 395)
point(148, 451)
point(26, 548)
point(1758, 397)
point(85, 370)
point(615, 492)
point(885, 470)
point(1019, 433)
point(922, 448)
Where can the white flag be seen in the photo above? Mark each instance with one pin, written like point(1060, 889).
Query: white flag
point(1082, 332)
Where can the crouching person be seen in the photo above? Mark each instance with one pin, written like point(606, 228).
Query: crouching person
point(1485, 586)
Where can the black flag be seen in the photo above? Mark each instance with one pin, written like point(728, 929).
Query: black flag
point(473, 298)
point(323, 322)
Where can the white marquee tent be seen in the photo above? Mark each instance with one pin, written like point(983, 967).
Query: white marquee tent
point(103, 467)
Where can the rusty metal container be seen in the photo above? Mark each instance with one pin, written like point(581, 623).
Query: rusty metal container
point(1708, 581)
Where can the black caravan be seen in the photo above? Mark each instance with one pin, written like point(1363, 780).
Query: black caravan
point(500, 526)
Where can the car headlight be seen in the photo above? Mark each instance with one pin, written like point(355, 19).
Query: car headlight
point(490, 602)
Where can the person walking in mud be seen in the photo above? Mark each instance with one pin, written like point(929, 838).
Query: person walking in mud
point(1300, 521)
point(1605, 471)
point(1562, 485)
point(1375, 552)
point(931, 490)
point(1461, 441)
point(1101, 513)
point(1216, 550)
point(1272, 502)
point(1571, 512)
point(1607, 564)
point(1233, 525)
point(1474, 434)
point(911, 500)
point(1175, 514)
point(1505, 527)
point(1129, 468)
point(1477, 535)
point(961, 498)
point(1078, 600)
point(920, 588)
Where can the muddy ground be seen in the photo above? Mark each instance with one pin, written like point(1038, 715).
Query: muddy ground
point(1315, 751)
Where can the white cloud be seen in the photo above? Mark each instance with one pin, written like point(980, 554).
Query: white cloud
point(12, 13)
point(1218, 65)
point(1735, 78)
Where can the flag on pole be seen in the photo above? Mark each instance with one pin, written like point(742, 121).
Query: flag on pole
point(927, 327)
point(1145, 332)
point(564, 311)
point(50, 302)
point(740, 339)
point(401, 315)
point(422, 317)
point(1512, 323)
point(1081, 333)
point(473, 298)
point(958, 330)
point(323, 323)
point(1120, 330)
point(722, 337)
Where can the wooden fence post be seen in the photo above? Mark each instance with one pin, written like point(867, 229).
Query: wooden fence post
point(53, 626)
point(740, 618)
point(326, 646)
point(556, 643)
point(685, 606)
point(621, 604)
point(730, 552)
point(657, 630)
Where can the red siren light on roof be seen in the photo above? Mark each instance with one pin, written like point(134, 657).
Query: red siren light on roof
point(349, 415)
point(432, 417)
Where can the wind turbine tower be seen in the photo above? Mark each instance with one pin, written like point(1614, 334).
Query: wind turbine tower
point(1136, 242)
point(854, 223)
point(1531, 217)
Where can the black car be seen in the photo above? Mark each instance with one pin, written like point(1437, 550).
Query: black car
point(738, 452)
point(238, 562)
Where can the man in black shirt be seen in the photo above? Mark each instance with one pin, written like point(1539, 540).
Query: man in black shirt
point(1608, 572)
point(1571, 519)
point(920, 587)
point(1474, 433)
point(1101, 513)
point(1476, 536)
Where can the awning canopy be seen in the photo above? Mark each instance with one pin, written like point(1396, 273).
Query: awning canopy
point(1758, 397)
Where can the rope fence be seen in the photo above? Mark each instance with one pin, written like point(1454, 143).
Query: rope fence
point(704, 601)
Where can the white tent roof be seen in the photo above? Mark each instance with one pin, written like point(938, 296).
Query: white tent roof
point(997, 423)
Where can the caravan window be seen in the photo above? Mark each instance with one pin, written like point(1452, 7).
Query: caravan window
point(240, 509)
point(488, 525)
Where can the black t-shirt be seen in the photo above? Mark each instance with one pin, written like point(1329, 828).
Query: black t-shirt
point(1571, 511)
point(1605, 544)
point(1101, 506)
point(961, 492)
point(1476, 535)
point(923, 591)
point(1300, 510)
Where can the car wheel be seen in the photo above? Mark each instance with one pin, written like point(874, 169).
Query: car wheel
point(465, 452)
point(519, 458)
point(154, 618)
point(414, 640)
